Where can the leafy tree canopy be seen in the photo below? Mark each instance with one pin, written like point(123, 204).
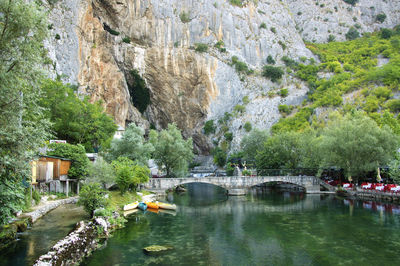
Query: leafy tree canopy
point(132, 145)
point(23, 128)
point(280, 151)
point(357, 144)
point(129, 173)
point(101, 172)
point(91, 197)
point(171, 151)
point(252, 143)
point(76, 153)
point(77, 121)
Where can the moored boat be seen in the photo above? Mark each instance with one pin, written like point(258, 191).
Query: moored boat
point(142, 206)
point(166, 206)
point(127, 213)
point(152, 205)
point(153, 210)
point(131, 206)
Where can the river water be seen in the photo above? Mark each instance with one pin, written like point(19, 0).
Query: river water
point(263, 228)
point(42, 236)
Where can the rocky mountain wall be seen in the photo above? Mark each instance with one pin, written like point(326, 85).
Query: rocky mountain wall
point(101, 41)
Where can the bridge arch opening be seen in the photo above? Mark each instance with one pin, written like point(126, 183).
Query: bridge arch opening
point(280, 186)
point(191, 184)
point(198, 194)
point(284, 193)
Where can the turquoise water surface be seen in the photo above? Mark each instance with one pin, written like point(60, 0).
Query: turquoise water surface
point(263, 228)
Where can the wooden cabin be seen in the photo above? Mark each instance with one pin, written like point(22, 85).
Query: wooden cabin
point(48, 168)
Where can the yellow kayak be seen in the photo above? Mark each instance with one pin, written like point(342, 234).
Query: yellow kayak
point(126, 213)
point(166, 206)
point(152, 205)
point(131, 206)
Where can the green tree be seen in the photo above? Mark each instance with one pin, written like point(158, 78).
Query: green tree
point(352, 34)
point(281, 151)
point(273, 73)
point(219, 156)
point(23, 128)
point(209, 127)
point(132, 145)
point(77, 121)
point(247, 126)
point(76, 153)
point(252, 143)
point(124, 170)
point(172, 152)
point(129, 174)
point(101, 172)
point(356, 144)
point(91, 197)
point(394, 169)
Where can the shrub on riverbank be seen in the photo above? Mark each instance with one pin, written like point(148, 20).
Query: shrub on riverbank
point(92, 197)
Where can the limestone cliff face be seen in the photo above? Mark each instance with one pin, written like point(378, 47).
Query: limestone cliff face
point(316, 20)
point(189, 87)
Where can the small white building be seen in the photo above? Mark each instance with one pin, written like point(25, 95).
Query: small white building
point(120, 131)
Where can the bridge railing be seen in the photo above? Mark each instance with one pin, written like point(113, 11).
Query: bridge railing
point(286, 172)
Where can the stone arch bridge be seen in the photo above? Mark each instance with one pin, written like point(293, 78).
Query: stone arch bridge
point(235, 185)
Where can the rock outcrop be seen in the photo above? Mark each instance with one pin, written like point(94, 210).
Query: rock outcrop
point(101, 41)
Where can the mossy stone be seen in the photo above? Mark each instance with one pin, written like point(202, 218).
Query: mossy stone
point(156, 249)
point(23, 223)
point(8, 233)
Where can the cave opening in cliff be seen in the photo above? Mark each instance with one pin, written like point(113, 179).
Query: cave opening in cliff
point(138, 91)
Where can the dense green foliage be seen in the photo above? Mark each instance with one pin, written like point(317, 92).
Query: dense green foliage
point(201, 47)
point(185, 17)
point(381, 17)
point(209, 127)
point(219, 156)
point(132, 145)
point(357, 145)
point(273, 73)
point(101, 172)
point(355, 70)
point(76, 153)
point(252, 143)
point(126, 39)
point(129, 174)
point(74, 120)
point(280, 151)
point(140, 94)
point(23, 127)
point(172, 152)
point(240, 66)
point(394, 169)
point(352, 34)
point(352, 142)
point(247, 126)
point(238, 3)
point(91, 197)
point(351, 2)
point(270, 60)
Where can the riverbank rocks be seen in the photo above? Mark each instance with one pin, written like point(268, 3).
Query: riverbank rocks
point(8, 233)
point(156, 249)
point(77, 245)
point(23, 223)
point(48, 206)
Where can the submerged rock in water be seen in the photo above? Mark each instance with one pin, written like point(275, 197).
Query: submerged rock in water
point(180, 189)
point(156, 249)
